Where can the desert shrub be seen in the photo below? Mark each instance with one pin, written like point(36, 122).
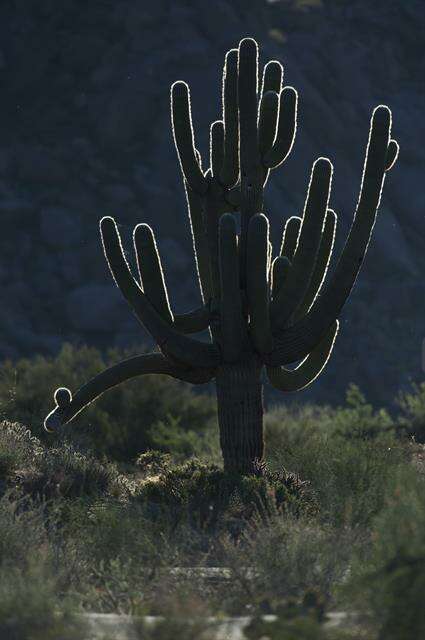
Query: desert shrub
point(150, 412)
point(389, 581)
point(210, 498)
point(412, 417)
point(358, 419)
point(30, 608)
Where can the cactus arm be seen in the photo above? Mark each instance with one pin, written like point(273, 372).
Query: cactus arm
point(181, 120)
point(230, 169)
point(232, 321)
point(294, 289)
point(257, 284)
point(150, 270)
point(310, 368)
point(321, 266)
point(295, 342)
point(272, 77)
point(200, 242)
point(193, 321)
point(392, 154)
point(252, 172)
point(290, 237)
point(216, 147)
point(286, 129)
point(280, 269)
point(68, 406)
point(185, 350)
point(267, 122)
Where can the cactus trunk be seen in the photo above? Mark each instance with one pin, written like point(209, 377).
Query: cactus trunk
point(240, 415)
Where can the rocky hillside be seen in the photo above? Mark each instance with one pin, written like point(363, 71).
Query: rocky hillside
point(85, 132)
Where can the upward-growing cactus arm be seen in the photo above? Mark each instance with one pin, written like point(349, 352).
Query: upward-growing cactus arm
point(294, 289)
point(295, 342)
point(150, 270)
point(272, 77)
point(252, 172)
point(200, 241)
point(232, 322)
point(280, 269)
point(181, 119)
point(290, 236)
point(257, 283)
point(230, 169)
point(153, 285)
point(321, 266)
point(286, 129)
point(68, 406)
point(185, 350)
point(305, 373)
point(267, 122)
point(216, 147)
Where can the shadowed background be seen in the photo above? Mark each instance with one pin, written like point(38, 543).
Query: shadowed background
point(85, 132)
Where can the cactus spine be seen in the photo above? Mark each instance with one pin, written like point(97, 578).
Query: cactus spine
point(260, 313)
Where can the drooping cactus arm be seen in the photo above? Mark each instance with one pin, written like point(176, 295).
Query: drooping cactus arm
point(322, 262)
point(305, 373)
point(257, 283)
point(229, 173)
point(286, 129)
point(295, 342)
point(68, 406)
point(294, 289)
point(181, 120)
point(200, 242)
point(232, 324)
point(185, 350)
point(150, 271)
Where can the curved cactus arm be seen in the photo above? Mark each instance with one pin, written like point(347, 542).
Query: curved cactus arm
point(216, 147)
point(267, 122)
point(296, 285)
point(68, 406)
point(257, 283)
point(272, 77)
point(392, 154)
point(193, 321)
point(185, 350)
point(322, 263)
point(290, 237)
point(181, 121)
point(230, 169)
point(200, 242)
point(286, 129)
point(295, 342)
point(310, 368)
point(150, 270)
point(232, 321)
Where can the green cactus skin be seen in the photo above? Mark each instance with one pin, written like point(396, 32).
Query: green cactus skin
point(261, 313)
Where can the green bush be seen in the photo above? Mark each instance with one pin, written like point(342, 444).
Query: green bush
point(152, 412)
point(412, 418)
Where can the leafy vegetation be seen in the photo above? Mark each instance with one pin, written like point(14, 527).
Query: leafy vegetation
point(336, 522)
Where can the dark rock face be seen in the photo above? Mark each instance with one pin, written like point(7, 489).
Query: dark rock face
point(85, 133)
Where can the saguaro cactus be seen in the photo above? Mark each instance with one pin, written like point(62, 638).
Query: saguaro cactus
point(262, 313)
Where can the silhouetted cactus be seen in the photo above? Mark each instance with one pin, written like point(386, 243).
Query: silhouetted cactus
point(260, 313)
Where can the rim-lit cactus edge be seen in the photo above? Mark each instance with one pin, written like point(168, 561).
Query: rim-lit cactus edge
point(260, 312)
